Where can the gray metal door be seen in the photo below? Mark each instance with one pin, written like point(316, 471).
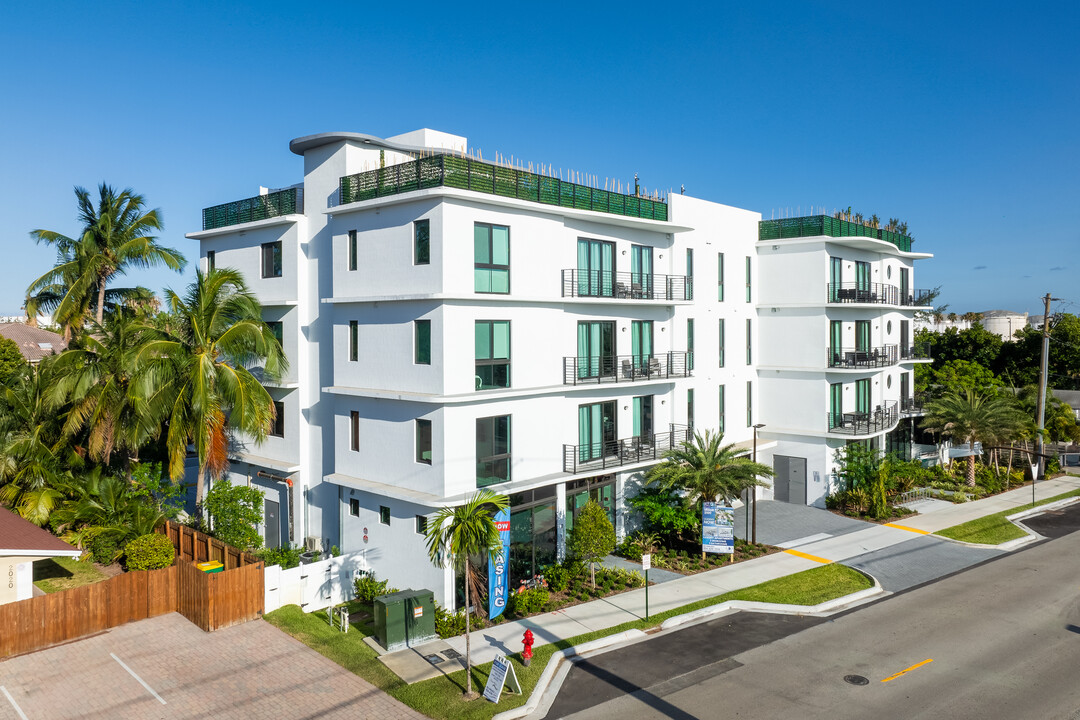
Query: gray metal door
point(272, 534)
point(789, 484)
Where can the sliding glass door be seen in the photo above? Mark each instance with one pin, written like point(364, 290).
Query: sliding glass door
point(641, 270)
point(596, 349)
point(596, 268)
point(596, 431)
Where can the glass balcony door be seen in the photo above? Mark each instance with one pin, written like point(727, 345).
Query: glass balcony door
point(596, 268)
point(596, 431)
point(641, 270)
point(641, 344)
point(862, 276)
point(596, 349)
point(643, 416)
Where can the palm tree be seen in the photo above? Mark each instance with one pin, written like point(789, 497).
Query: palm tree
point(455, 534)
point(117, 235)
point(705, 470)
point(199, 362)
point(972, 416)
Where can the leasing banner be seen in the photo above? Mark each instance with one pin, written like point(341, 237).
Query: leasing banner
point(498, 577)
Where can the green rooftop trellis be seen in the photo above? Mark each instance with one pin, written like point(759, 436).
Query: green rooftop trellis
point(260, 207)
point(815, 225)
point(479, 176)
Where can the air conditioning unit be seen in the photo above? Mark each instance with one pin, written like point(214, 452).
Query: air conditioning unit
point(312, 543)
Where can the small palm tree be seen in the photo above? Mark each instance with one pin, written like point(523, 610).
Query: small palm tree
point(706, 470)
point(455, 534)
point(973, 416)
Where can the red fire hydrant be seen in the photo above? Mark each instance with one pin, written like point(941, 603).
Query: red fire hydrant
point(526, 654)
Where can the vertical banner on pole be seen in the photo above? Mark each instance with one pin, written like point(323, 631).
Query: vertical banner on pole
point(498, 578)
point(717, 529)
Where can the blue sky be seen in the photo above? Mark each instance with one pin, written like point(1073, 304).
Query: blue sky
point(960, 118)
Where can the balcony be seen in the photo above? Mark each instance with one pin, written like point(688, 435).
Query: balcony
point(478, 176)
point(882, 418)
point(869, 293)
point(626, 368)
point(261, 207)
point(859, 358)
point(920, 351)
point(910, 406)
point(817, 225)
point(917, 298)
point(628, 451)
point(626, 285)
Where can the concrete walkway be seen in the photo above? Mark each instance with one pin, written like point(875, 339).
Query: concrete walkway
point(813, 537)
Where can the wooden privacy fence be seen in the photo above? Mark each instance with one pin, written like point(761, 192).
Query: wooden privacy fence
point(199, 547)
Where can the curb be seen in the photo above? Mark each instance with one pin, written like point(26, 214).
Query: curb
point(548, 684)
point(1030, 537)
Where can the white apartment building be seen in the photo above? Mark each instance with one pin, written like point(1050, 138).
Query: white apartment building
point(454, 324)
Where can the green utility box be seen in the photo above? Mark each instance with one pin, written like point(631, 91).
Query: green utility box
point(405, 619)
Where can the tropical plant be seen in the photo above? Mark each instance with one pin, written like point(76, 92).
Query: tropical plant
point(149, 552)
point(972, 416)
point(663, 511)
point(237, 511)
point(11, 360)
point(202, 358)
point(592, 537)
point(103, 512)
point(456, 533)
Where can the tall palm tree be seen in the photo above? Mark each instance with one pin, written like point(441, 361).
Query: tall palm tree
point(455, 534)
point(117, 235)
point(199, 361)
point(972, 416)
point(705, 470)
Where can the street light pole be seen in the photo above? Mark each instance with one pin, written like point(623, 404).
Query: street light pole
point(753, 489)
point(1041, 410)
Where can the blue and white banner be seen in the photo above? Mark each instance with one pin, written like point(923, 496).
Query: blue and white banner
point(717, 529)
point(498, 571)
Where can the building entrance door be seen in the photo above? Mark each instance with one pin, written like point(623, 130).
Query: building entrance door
point(272, 532)
point(789, 483)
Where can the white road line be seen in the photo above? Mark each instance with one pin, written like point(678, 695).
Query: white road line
point(14, 704)
point(141, 681)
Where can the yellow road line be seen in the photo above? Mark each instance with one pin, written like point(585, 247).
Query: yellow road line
point(909, 529)
point(907, 670)
point(807, 556)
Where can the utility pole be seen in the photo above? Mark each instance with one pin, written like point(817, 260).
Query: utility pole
point(753, 490)
point(1041, 410)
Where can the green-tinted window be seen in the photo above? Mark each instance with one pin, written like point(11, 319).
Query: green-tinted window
point(492, 450)
point(492, 354)
point(423, 342)
point(352, 249)
point(722, 341)
point(690, 408)
point(491, 254)
point(210, 261)
point(421, 242)
point(689, 344)
point(354, 340)
point(720, 277)
point(271, 259)
point(836, 405)
point(421, 525)
point(749, 403)
point(720, 421)
point(689, 294)
point(423, 441)
point(384, 515)
point(277, 330)
point(749, 336)
point(747, 278)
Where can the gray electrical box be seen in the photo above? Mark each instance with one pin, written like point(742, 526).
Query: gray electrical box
point(405, 619)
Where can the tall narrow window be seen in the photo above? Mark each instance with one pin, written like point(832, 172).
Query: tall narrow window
point(689, 295)
point(209, 261)
point(862, 280)
point(354, 430)
point(905, 288)
point(422, 346)
point(643, 416)
point(491, 255)
point(641, 272)
point(597, 436)
point(690, 408)
point(354, 340)
point(271, 259)
point(596, 269)
point(492, 354)
point(748, 278)
point(720, 419)
point(641, 349)
point(423, 441)
point(352, 250)
point(720, 277)
point(277, 330)
point(836, 405)
point(749, 403)
point(836, 276)
point(689, 344)
point(278, 429)
point(862, 396)
point(422, 242)
point(492, 450)
point(722, 341)
point(749, 347)
point(836, 343)
point(862, 336)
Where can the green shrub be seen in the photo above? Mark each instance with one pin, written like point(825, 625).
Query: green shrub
point(149, 552)
point(104, 549)
point(557, 577)
point(368, 588)
point(528, 602)
point(286, 557)
point(1053, 466)
point(448, 624)
point(237, 511)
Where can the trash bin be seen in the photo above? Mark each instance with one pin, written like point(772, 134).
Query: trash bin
point(405, 619)
point(210, 567)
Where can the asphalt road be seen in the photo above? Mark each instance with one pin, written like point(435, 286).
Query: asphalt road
point(1001, 640)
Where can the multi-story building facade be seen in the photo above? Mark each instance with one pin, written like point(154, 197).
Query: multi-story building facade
point(453, 324)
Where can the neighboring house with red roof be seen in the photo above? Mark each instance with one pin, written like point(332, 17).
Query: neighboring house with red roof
point(34, 343)
point(21, 543)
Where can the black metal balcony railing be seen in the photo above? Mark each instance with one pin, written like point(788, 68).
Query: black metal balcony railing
point(613, 453)
point(814, 225)
point(869, 357)
point(875, 293)
point(261, 207)
point(917, 298)
point(626, 285)
point(476, 175)
point(911, 405)
point(883, 417)
point(920, 351)
point(584, 370)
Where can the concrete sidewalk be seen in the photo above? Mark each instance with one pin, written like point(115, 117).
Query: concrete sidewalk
point(821, 537)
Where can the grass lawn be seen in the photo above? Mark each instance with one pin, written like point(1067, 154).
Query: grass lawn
point(994, 529)
point(441, 697)
point(63, 573)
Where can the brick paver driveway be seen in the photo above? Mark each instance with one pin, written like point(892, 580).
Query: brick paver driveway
point(166, 667)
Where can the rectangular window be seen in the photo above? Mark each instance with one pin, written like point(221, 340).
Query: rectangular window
point(209, 261)
point(352, 250)
point(689, 294)
point(720, 421)
point(690, 408)
point(422, 342)
point(271, 259)
point(384, 515)
point(862, 396)
point(749, 403)
point(749, 345)
point(596, 269)
point(597, 437)
point(354, 431)
point(277, 330)
point(747, 278)
point(836, 277)
point(278, 429)
point(721, 348)
point(354, 507)
point(836, 405)
point(492, 450)
point(689, 344)
point(423, 441)
point(492, 341)
point(421, 525)
point(836, 342)
point(643, 416)
point(862, 336)
point(421, 242)
point(354, 340)
point(720, 277)
point(491, 255)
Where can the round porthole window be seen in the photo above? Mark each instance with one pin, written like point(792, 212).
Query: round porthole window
point(888, 271)
point(888, 381)
point(888, 328)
